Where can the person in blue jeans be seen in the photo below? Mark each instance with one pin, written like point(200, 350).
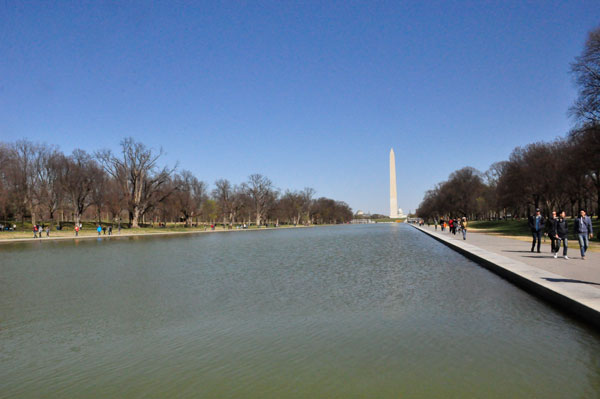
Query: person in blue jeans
point(583, 231)
point(536, 225)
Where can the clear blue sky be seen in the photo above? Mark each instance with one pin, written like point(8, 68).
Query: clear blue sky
point(307, 93)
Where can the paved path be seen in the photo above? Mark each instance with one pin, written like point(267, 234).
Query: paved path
point(575, 268)
point(573, 285)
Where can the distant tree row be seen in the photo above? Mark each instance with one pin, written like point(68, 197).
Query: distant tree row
point(40, 183)
point(559, 175)
point(562, 174)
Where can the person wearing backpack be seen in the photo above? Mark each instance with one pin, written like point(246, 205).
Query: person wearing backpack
point(463, 227)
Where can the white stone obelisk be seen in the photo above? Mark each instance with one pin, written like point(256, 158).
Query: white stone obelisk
point(393, 195)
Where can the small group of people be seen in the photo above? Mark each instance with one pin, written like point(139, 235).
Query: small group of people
point(557, 229)
point(453, 225)
point(8, 227)
point(99, 229)
point(104, 229)
point(38, 230)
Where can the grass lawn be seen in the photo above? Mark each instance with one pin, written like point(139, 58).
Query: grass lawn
point(388, 220)
point(89, 230)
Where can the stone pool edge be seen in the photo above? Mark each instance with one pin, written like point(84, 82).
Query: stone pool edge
point(577, 299)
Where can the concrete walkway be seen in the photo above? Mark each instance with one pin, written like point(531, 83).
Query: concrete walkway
point(587, 270)
point(573, 284)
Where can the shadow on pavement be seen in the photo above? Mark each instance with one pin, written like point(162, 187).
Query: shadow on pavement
point(566, 280)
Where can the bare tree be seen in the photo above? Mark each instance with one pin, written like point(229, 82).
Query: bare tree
point(306, 197)
point(223, 195)
point(586, 70)
point(189, 195)
point(290, 206)
point(50, 170)
point(98, 195)
point(261, 192)
point(586, 149)
point(23, 177)
point(136, 170)
point(81, 172)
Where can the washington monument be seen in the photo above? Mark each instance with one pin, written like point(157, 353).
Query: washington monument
point(393, 195)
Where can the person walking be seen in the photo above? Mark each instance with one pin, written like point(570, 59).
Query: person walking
point(99, 230)
point(463, 227)
point(559, 233)
point(110, 230)
point(76, 230)
point(536, 225)
point(551, 230)
point(35, 231)
point(583, 231)
point(47, 231)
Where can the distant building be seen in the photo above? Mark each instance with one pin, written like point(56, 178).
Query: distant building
point(360, 213)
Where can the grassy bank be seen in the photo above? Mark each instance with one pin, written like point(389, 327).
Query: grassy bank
point(388, 220)
point(89, 230)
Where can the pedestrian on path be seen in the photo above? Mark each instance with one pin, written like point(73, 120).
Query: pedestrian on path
point(536, 225)
point(35, 231)
point(76, 230)
point(99, 230)
point(560, 232)
point(47, 231)
point(551, 230)
point(583, 231)
point(463, 227)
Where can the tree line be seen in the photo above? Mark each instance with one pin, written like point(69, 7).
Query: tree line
point(563, 174)
point(40, 183)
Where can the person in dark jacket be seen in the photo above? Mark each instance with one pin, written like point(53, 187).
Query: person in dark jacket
point(551, 230)
point(536, 225)
point(583, 231)
point(560, 232)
